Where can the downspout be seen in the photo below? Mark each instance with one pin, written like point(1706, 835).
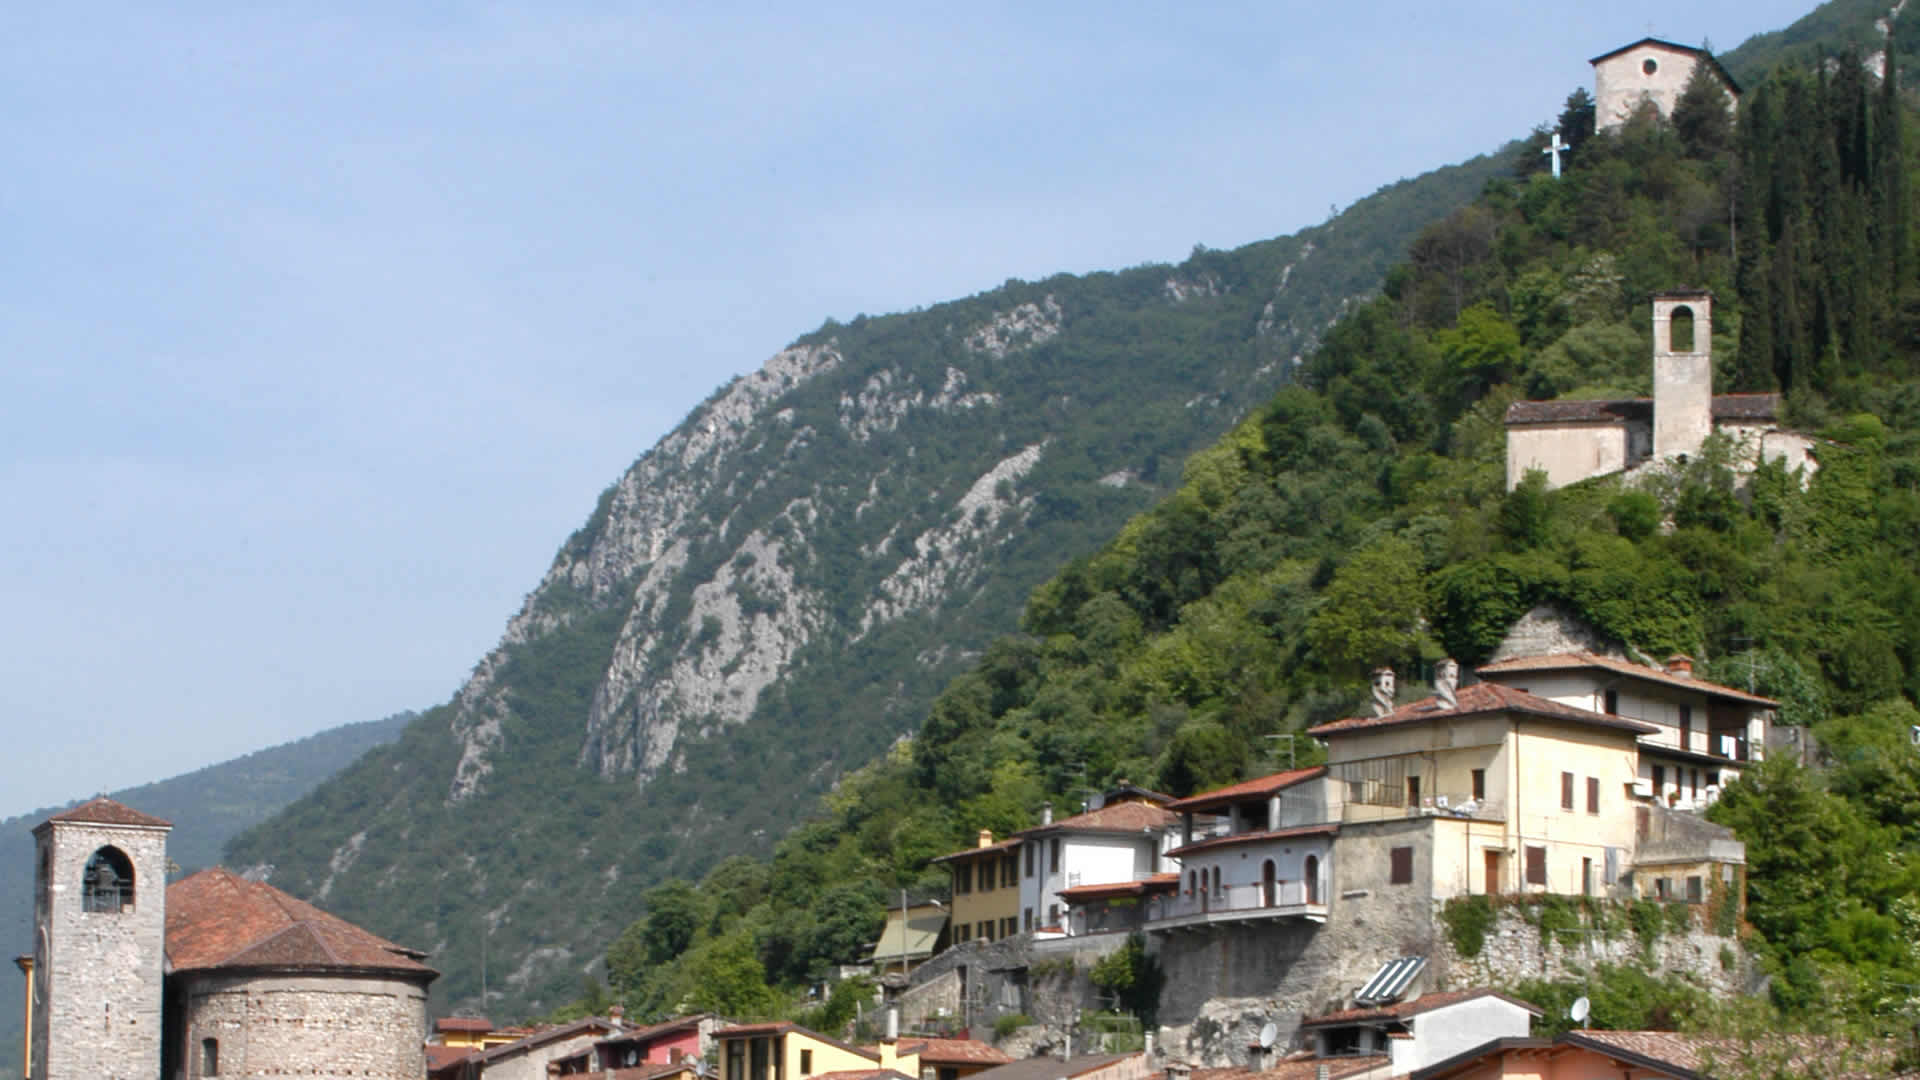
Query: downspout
point(1519, 841)
point(25, 964)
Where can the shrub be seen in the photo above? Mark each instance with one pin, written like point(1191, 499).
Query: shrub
point(1011, 1023)
point(1468, 919)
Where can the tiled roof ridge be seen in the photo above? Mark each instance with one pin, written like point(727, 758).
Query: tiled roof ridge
point(101, 810)
point(1268, 783)
point(1482, 697)
point(1588, 658)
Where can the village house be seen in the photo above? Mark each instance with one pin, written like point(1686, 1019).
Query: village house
point(1422, 1031)
point(1650, 71)
point(914, 931)
point(1124, 836)
point(986, 889)
point(1665, 1055)
point(787, 1051)
point(1571, 441)
point(1266, 857)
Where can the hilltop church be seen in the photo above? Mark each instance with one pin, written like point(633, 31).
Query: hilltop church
point(212, 976)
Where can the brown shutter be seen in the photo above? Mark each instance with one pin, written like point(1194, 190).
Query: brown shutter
point(1402, 866)
point(1536, 866)
point(1566, 791)
point(1593, 794)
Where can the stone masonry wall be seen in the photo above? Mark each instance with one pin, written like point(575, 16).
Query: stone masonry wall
point(99, 974)
point(1226, 981)
point(1513, 951)
point(321, 1026)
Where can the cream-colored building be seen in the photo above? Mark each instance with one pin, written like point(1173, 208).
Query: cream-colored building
point(1649, 70)
point(787, 1051)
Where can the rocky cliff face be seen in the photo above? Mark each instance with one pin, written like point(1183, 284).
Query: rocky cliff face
point(773, 593)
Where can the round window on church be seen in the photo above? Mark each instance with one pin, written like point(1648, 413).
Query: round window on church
point(1650, 65)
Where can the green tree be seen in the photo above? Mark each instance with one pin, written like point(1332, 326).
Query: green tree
point(1373, 612)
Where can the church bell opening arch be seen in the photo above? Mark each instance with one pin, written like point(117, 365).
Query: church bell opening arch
point(107, 885)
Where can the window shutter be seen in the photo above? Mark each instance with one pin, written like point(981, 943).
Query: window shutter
point(1593, 794)
point(1566, 791)
point(1613, 865)
point(1402, 869)
point(1536, 866)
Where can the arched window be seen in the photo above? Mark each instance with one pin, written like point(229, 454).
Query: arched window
point(1680, 330)
point(1312, 874)
point(107, 884)
point(1193, 876)
point(1216, 881)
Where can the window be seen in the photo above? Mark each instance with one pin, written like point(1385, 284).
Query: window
point(1193, 876)
point(963, 877)
point(1686, 727)
point(209, 1057)
point(1566, 791)
point(1029, 862)
point(1586, 877)
point(986, 876)
point(1009, 872)
point(1659, 780)
point(1695, 773)
point(1662, 887)
point(1027, 919)
point(1536, 865)
point(107, 884)
point(1053, 856)
point(985, 930)
point(1479, 783)
point(1649, 66)
point(1593, 794)
point(736, 1061)
point(1216, 882)
point(1402, 869)
point(1053, 914)
point(1612, 699)
point(1696, 889)
point(1413, 791)
point(806, 1063)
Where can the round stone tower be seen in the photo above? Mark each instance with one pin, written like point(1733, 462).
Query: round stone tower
point(100, 922)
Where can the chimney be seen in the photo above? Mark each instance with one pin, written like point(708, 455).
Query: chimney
point(616, 1013)
point(986, 837)
point(1680, 664)
point(1382, 691)
point(893, 1025)
point(1147, 1047)
point(1046, 813)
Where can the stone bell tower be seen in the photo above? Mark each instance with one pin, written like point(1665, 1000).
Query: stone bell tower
point(100, 924)
point(1682, 372)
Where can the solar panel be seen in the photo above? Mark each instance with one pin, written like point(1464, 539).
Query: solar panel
point(1390, 981)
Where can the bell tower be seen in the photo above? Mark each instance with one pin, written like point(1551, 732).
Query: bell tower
point(1682, 372)
point(100, 923)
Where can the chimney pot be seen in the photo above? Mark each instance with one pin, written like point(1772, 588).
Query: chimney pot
point(1046, 813)
point(1680, 664)
point(986, 837)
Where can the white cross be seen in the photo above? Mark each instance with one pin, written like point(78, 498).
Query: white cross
point(1556, 149)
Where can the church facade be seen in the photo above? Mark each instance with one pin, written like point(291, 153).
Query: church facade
point(1649, 70)
point(212, 976)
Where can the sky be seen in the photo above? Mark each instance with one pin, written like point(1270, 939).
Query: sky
point(322, 326)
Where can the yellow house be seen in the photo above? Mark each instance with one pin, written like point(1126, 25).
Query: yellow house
point(1521, 793)
point(986, 889)
point(787, 1051)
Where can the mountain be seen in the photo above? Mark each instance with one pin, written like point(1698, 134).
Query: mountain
point(770, 597)
point(772, 594)
point(208, 807)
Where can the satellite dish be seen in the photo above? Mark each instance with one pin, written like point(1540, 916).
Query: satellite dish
point(1268, 1034)
point(1581, 1007)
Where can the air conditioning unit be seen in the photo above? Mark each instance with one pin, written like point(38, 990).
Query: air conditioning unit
point(1643, 788)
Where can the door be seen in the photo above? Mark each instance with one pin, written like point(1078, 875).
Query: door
point(1267, 898)
point(1312, 874)
point(1492, 877)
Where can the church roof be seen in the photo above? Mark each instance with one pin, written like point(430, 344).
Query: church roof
point(104, 811)
point(218, 919)
point(1674, 46)
point(1727, 408)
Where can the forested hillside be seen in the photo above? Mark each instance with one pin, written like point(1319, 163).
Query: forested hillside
point(772, 595)
point(208, 807)
point(1360, 518)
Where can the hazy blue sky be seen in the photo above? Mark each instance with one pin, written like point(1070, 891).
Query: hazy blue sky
point(322, 326)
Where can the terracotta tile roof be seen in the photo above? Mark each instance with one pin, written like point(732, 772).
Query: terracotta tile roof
point(650, 1072)
point(1404, 1010)
point(1002, 847)
point(1126, 817)
point(218, 919)
point(1480, 698)
point(1574, 661)
point(548, 1033)
point(1304, 1068)
point(478, 1024)
point(1597, 411)
point(439, 1057)
point(104, 811)
point(861, 1074)
point(955, 1052)
point(1052, 1068)
point(1324, 829)
point(1257, 788)
point(1155, 883)
point(1726, 407)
